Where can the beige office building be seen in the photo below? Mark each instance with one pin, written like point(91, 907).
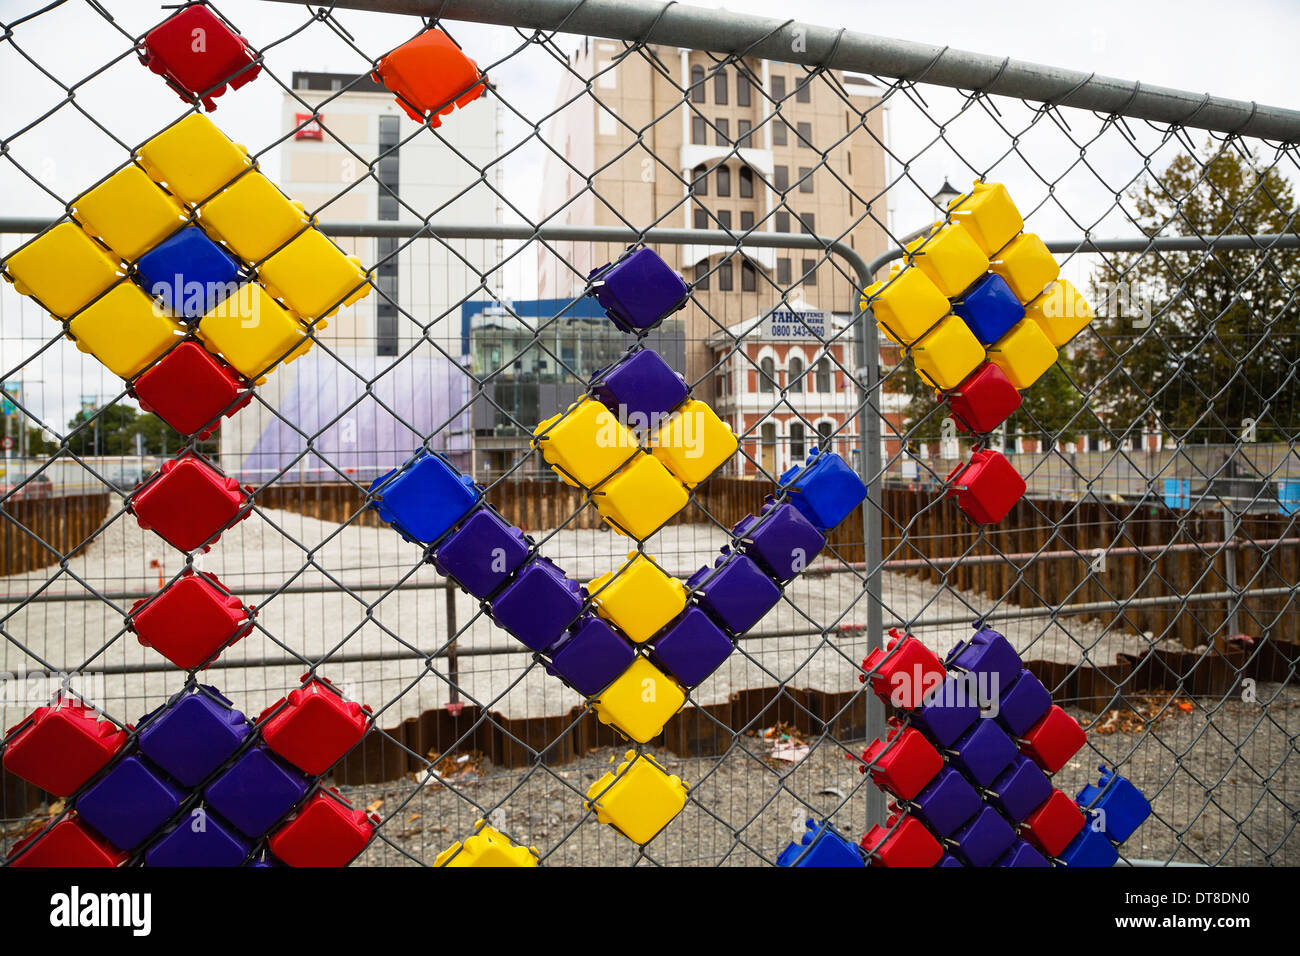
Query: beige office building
point(744, 152)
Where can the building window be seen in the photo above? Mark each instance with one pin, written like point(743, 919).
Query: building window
point(805, 179)
point(742, 87)
point(809, 223)
point(803, 91)
point(699, 136)
point(748, 278)
point(720, 87)
point(386, 255)
point(804, 132)
point(796, 441)
point(724, 276)
point(825, 436)
point(724, 181)
point(697, 84)
point(724, 218)
point(783, 271)
point(701, 218)
point(386, 279)
point(746, 183)
point(702, 276)
point(781, 178)
point(387, 173)
point(700, 180)
point(766, 377)
point(385, 329)
point(722, 133)
point(809, 271)
point(795, 378)
point(824, 383)
point(780, 133)
point(778, 88)
point(743, 128)
point(746, 219)
point(782, 221)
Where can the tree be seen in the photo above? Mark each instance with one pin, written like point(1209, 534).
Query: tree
point(38, 445)
point(1197, 343)
point(112, 433)
point(1052, 410)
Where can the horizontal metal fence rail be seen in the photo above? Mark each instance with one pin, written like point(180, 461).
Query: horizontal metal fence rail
point(820, 46)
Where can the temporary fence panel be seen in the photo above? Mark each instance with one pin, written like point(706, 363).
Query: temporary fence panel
point(406, 210)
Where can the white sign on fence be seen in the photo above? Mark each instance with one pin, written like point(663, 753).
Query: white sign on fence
point(800, 324)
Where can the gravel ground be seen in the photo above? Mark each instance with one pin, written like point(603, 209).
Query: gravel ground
point(742, 806)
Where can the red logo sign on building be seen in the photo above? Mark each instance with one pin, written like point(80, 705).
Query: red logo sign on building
point(308, 126)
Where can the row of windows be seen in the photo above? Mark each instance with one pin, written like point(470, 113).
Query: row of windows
point(744, 132)
point(721, 87)
point(725, 274)
point(797, 437)
point(722, 180)
point(784, 269)
point(748, 276)
point(722, 217)
point(807, 221)
point(819, 381)
point(781, 178)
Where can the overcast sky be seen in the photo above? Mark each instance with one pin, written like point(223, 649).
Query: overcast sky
point(1244, 50)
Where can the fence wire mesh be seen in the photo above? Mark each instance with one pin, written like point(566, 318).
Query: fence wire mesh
point(1149, 576)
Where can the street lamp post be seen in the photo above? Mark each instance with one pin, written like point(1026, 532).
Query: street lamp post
point(946, 194)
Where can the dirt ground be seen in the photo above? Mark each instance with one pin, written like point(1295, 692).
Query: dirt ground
point(1224, 777)
point(1203, 778)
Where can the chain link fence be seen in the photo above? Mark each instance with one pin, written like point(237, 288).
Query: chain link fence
point(1149, 576)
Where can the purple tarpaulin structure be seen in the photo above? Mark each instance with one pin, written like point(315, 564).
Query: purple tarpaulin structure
point(422, 401)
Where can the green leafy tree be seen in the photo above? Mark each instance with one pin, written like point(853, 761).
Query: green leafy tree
point(112, 433)
point(1195, 343)
point(38, 442)
point(1053, 409)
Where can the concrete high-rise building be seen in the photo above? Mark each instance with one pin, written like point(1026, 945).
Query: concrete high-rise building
point(754, 146)
point(351, 153)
